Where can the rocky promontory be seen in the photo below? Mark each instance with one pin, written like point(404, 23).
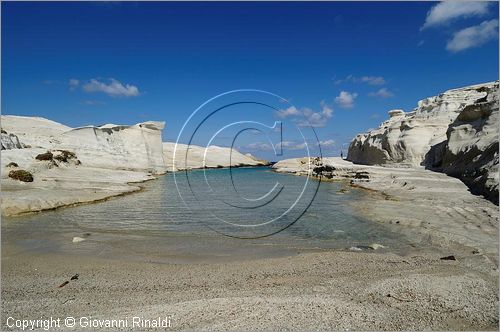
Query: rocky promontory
point(455, 132)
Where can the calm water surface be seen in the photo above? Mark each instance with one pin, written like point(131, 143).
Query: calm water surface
point(158, 224)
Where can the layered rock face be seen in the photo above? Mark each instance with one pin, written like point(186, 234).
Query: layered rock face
point(470, 151)
point(455, 132)
point(136, 148)
point(11, 141)
point(211, 157)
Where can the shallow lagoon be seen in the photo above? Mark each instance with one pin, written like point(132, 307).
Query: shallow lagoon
point(159, 224)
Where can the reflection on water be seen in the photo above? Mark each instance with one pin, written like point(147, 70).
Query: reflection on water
point(156, 222)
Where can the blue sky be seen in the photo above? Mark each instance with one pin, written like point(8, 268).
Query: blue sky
point(344, 63)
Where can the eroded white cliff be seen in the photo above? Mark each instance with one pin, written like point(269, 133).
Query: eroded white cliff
point(70, 166)
point(455, 132)
point(200, 157)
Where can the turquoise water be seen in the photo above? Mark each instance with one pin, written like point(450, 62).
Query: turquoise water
point(203, 221)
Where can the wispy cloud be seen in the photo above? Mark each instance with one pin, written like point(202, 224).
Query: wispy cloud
point(111, 87)
point(372, 80)
point(49, 82)
point(306, 116)
point(346, 99)
point(382, 93)
point(327, 144)
point(73, 83)
point(94, 102)
point(258, 146)
point(288, 145)
point(447, 11)
point(473, 36)
point(349, 78)
point(291, 145)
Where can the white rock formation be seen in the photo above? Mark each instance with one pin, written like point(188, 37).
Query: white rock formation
point(137, 147)
point(108, 158)
point(455, 132)
point(471, 149)
point(407, 137)
point(200, 157)
point(34, 131)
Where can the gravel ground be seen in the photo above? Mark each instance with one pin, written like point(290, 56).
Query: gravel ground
point(332, 290)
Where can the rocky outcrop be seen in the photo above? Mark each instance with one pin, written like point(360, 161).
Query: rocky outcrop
point(10, 141)
point(201, 157)
point(136, 147)
point(455, 132)
point(470, 151)
point(34, 131)
point(70, 166)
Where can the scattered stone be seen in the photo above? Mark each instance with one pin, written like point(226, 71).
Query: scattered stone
point(64, 284)
point(21, 175)
point(12, 164)
point(45, 156)
point(77, 239)
point(355, 249)
point(448, 258)
point(65, 156)
point(323, 169)
point(376, 246)
point(362, 175)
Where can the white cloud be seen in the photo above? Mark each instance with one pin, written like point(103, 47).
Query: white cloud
point(346, 99)
point(473, 36)
point(373, 80)
point(112, 88)
point(306, 116)
point(382, 93)
point(290, 111)
point(447, 11)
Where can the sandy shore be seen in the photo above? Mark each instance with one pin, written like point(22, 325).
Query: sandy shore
point(318, 291)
